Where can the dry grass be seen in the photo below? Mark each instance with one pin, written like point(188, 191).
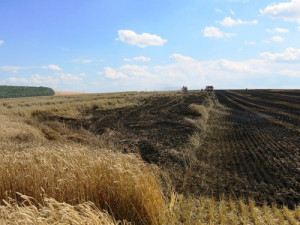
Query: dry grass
point(200, 110)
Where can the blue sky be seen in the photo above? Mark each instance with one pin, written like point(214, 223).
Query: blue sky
point(108, 46)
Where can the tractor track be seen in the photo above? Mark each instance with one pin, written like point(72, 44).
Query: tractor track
point(255, 156)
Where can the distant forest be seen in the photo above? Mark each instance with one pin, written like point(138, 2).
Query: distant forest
point(22, 91)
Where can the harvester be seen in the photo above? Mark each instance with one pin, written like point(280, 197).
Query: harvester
point(184, 89)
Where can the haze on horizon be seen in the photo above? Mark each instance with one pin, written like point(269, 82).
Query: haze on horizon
point(130, 45)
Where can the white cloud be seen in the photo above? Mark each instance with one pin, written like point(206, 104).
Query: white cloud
point(298, 28)
point(277, 39)
point(16, 69)
point(83, 61)
point(228, 22)
point(289, 55)
point(239, 67)
point(113, 74)
point(1, 42)
point(278, 30)
point(141, 40)
point(185, 70)
point(68, 78)
point(13, 69)
point(35, 79)
point(183, 67)
point(142, 58)
point(281, 30)
point(290, 73)
point(51, 67)
point(179, 57)
point(16, 80)
point(215, 32)
point(231, 12)
point(39, 79)
point(288, 11)
point(250, 42)
point(135, 71)
point(86, 61)
point(138, 58)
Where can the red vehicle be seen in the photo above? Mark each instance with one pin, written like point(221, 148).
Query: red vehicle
point(184, 89)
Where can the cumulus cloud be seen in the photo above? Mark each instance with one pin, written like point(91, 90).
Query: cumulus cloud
point(288, 11)
point(1, 42)
point(228, 22)
point(138, 58)
point(277, 39)
point(113, 74)
point(239, 67)
point(181, 68)
point(214, 32)
point(135, 71)
point(196, 74)
point(51, 67)
point(141, 40)
point(289, 55)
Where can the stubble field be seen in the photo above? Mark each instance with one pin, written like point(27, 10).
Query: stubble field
point(228, 157)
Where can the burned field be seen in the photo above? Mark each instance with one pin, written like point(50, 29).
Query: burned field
point(156, 129)
point(254, 144)
point(249, 147)
point(222, 157)
point(151, 128)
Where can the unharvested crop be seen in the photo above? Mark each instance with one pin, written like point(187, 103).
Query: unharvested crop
point(118, 183)
point(53, 212)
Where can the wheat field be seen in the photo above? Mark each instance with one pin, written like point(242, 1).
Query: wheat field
point(51, 173)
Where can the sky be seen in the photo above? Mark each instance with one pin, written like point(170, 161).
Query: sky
point(96, 46)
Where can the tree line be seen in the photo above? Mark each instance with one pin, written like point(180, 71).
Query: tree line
point(24, 91)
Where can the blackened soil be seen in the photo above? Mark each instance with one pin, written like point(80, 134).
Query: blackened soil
point(149, 129)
